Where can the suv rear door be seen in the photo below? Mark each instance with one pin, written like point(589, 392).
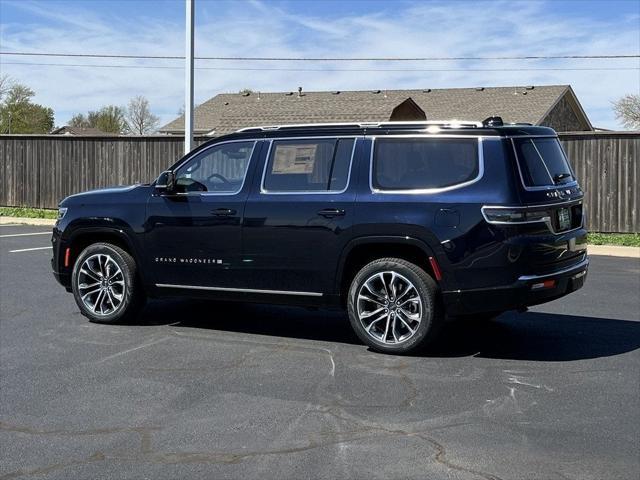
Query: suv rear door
point(299, 215)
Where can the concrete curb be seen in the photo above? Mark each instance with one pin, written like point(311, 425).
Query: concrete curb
point(614, 251)
point(48, 222)
point(608, 250)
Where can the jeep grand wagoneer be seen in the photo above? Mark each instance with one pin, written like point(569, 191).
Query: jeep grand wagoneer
point(401, 224)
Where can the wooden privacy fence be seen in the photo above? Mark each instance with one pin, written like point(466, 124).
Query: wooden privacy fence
point(607, 167)
point(40, 170)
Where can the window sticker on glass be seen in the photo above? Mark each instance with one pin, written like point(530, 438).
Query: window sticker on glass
point(294, 159)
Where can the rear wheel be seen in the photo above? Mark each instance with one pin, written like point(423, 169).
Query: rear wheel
point(393, 306)
point(105, 285)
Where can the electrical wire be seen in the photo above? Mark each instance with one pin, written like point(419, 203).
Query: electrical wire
point(275, 69)
point(327, 59)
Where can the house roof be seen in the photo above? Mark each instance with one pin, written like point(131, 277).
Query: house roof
point(82, 131)
point(226, 113)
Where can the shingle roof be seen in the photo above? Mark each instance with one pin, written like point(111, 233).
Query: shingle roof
point(82, 131)
point(226, 113)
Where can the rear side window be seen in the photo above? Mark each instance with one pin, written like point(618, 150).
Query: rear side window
point(542, 162)
point(424, 163)
point(308, 165)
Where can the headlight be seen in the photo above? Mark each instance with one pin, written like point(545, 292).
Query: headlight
point(61, 213)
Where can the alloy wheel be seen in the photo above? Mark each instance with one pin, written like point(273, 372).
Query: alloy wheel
point(101, 284)
point(389, 307)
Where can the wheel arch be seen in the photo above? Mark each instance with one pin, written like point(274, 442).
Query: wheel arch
point(82, 237)
point(363, 250)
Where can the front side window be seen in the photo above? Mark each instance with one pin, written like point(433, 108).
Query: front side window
point(542, 162)
point(308, 165)
point(218, 169)
point(424, 163)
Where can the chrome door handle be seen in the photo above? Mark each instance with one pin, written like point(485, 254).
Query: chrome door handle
point(223, 212)
point(332, 212)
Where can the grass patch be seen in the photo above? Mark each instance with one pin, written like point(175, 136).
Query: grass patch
point(622, 239)
point(28, 212)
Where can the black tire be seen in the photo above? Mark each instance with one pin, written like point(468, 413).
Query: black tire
point(133, 297)
point(428, 291)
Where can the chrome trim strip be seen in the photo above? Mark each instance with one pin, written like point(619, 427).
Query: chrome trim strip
point(308, 192)
point(453, 122)
point(534, 206)
point(239, 290)
point(423, 191)
point(533, 136)
point(253, 149)
point(583, 264)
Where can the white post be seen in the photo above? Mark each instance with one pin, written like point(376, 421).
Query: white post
point(188, 78)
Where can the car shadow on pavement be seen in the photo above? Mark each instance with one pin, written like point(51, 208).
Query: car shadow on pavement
point(535, 336)
point(258, 319)
point(529, 336)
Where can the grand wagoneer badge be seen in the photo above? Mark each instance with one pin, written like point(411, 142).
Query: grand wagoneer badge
point(209, 261)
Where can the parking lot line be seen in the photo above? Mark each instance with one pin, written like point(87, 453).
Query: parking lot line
point(24, 234)
point(29, 249)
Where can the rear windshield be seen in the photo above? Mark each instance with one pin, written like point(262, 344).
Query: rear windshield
point(412, 164)
point(542, 162)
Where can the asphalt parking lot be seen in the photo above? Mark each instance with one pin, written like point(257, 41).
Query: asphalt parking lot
point(209, 390)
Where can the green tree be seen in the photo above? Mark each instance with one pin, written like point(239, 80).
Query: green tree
point(79, 120)
point(110, 118)
point(18, 114)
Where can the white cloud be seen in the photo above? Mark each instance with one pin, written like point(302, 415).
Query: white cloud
point(256, 28)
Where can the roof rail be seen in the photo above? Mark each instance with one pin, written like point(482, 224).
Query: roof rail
point(440, 123)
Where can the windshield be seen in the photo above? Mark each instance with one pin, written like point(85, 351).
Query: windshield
point(542, 162)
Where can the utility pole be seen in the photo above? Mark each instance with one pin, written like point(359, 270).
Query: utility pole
point(188, 78)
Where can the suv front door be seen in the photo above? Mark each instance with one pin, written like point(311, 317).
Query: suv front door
point(193, 235)
point(299, 214)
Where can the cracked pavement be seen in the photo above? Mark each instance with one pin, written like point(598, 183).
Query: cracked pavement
point(217, 390)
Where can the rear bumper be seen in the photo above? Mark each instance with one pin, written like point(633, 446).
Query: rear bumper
point(528, 290)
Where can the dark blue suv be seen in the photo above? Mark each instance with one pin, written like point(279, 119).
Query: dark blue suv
point(403, 224)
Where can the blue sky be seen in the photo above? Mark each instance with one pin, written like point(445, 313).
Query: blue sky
point(317, 29)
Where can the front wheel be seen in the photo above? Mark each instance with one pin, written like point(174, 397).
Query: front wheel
point(394, 306)
point(105, 285)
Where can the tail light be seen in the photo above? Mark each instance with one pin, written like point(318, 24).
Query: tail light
point(508, 215)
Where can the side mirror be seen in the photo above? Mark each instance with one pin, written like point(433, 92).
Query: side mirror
point(166, 182)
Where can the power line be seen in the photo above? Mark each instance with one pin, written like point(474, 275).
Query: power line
point(275, 69)
point(325, 59)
